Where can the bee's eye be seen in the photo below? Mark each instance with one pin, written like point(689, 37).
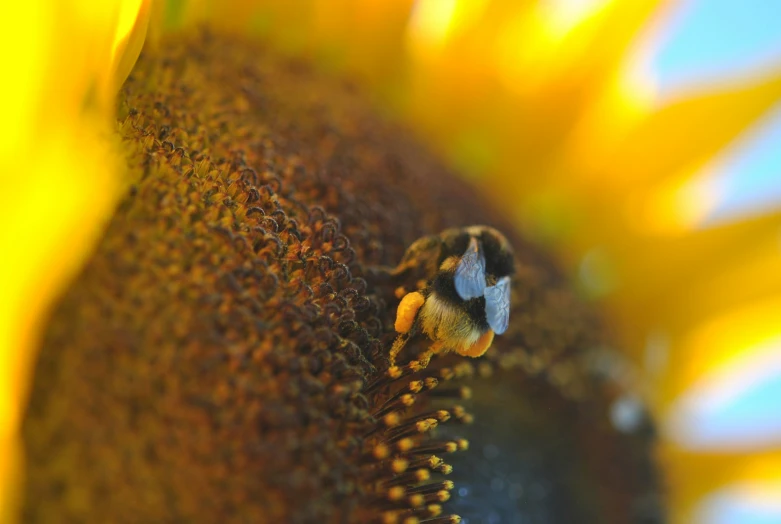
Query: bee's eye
point(470, 272)
point(497, 305)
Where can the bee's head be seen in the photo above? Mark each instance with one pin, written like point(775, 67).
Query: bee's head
point(499, 259)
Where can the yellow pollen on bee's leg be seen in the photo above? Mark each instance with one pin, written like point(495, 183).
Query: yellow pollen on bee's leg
point(481, 346)
point(405, 317)
point(400, 292)
point(407, 311)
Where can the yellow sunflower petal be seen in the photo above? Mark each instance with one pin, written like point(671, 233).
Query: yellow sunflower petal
point(685, 134)
point(745, 335)
point(503, 91)
point(652, 185)
point(744, 501)
point(693, 475)
point(129, 37)
point(573, 50)
point(57, 171)
point(678, 282)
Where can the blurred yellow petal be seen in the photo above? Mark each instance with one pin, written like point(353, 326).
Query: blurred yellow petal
point(57, 168)
point(708, 272)
point(676, 205)
point(748, 333)
point(748, 501)
point(748, 275)
point(129, 36)
point(733, 407)
point(564, 47)
point(655, 177)
point(681, 136)
point(693, 475)
point(430, 23)
point(508, 85)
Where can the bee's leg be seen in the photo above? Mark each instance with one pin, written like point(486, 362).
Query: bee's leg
point(380, 272)
point(424, 358)
point(405, 318)
point(480, 347)
point(398, 345)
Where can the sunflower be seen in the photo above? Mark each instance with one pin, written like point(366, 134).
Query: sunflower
point(239, 203)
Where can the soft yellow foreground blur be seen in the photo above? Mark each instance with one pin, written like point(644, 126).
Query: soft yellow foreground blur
point(547, 107)
point(59, 172)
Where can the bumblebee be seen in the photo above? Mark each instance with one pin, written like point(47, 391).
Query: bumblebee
point(463, 295)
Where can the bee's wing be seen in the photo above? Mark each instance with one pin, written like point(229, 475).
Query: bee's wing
point(497, 305)
point(470, 272)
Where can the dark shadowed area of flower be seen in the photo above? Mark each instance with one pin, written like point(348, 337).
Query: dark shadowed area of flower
point(223, 355)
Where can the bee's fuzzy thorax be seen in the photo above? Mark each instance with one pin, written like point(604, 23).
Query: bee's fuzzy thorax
point(445, 289)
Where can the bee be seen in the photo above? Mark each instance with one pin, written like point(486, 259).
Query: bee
point(463, 295)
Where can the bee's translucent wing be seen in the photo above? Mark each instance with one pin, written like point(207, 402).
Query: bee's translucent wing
point(470, 272)
point(497, 305)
